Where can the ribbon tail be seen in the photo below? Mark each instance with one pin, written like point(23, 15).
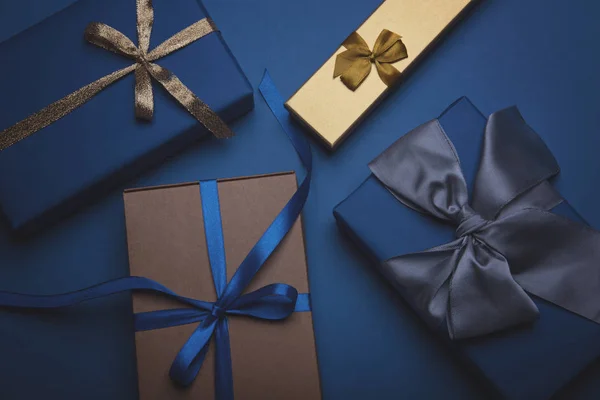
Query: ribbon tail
point(354, 76)
point(131, 283)
point(147, 321)
point(58, 109)
point(202, 112)
point(423, 280)
point(388, 73)
point(190, 358)
point(275, 102)
point(144, 99)
point(568, 274)
point(480, 282)
point(284, 221)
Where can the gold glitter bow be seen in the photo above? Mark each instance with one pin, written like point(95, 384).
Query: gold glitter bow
point(110, 39)
point(354, 64)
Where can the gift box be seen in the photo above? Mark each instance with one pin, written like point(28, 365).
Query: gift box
point(347, 86)
point(528, 360)
point(168, 243)
point(45, 175)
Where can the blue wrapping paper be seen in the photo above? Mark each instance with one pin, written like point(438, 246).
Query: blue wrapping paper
point(529, 362)
point(100, 144)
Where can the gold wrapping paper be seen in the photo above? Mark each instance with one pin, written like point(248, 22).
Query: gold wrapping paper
point(328, 108)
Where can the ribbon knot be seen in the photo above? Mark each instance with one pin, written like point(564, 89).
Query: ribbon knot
point(218, 312)
point(112, 40)
point(479, 287)
point(470, 222)
point(354, 65)
point(141, 59)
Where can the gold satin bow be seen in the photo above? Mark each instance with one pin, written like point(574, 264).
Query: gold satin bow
point(354, 64)
point(110, 39)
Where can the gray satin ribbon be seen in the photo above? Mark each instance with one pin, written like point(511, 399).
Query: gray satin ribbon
point(508, 243)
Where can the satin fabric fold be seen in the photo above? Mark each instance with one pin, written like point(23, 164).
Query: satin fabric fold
point(272, 302)
point(144, 68)
point(508, 243)
point(354, 65)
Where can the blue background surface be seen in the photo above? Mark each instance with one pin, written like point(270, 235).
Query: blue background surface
point(539, 54)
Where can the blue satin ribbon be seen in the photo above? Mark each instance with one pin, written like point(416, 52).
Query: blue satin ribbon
point(272, 302)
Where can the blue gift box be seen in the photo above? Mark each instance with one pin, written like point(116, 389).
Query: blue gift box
point(101, 144)
point(529, 362)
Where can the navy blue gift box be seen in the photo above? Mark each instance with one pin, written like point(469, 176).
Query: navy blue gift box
point(531, 361)
point(101, 144)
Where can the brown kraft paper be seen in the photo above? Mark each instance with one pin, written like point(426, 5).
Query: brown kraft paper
point(166, 240)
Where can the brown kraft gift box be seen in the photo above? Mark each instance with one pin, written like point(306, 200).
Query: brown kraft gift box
point(167, 243)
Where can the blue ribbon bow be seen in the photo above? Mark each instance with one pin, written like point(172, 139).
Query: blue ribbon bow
point(272, 302)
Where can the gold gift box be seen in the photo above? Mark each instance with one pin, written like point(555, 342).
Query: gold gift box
point(331, 110)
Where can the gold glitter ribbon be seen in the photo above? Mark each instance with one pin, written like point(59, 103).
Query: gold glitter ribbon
point(110, 39)
point(354, 64)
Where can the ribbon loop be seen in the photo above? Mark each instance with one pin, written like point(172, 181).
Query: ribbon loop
point(389, 47)
point(272, 302)
point(508, 241)
point(508, 171)
point(354, 65)
point(183, 38)
point(110, 39)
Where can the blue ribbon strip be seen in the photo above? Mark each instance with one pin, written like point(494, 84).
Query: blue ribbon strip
point(272, 302)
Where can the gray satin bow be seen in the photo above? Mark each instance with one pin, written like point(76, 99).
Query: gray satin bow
point(508, 243)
